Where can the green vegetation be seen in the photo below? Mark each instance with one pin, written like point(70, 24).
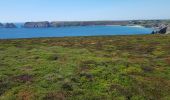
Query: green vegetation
point(86, 68)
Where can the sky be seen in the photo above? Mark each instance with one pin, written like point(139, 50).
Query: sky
point(82, 10)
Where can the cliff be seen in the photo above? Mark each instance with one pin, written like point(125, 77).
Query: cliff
point(161, 29)
point(72, 23)
point(10, 25)
point(1, 25)
point(44, 24)
point(87, 23)
point(159, 26)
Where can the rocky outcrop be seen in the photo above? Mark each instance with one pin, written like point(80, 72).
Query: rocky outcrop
point(1, 25)
point(44, 24)
point(10, 25)
point(161, 29)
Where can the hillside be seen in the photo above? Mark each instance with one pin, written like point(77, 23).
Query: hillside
point(86, 68)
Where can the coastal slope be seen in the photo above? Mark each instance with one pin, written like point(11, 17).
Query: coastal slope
point(86, 68)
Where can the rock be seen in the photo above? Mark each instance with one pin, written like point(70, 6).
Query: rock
point(1, 25)
point(153, 32)
point(163, 30)
point(10, 25)
point(44, 24)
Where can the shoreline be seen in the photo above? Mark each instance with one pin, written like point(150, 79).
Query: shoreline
point(139, 26)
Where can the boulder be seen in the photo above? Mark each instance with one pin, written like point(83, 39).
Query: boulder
point(10, 25)
point(44, 24)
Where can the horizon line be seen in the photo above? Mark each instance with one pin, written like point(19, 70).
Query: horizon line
point(81, 20)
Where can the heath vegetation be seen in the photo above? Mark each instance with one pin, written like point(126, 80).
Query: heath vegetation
point(86, 68)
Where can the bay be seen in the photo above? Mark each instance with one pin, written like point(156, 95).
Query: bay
point(14, 33)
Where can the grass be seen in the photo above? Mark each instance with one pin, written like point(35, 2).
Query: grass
point(86, 68)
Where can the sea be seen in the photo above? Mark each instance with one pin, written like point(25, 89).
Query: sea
point(73, 31)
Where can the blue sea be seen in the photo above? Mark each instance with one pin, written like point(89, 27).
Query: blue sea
point(20, 32)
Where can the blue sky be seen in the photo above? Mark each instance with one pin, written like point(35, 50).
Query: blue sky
point(70, 10)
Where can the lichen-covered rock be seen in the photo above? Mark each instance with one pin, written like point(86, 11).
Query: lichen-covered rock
point(44, 24)
point(10, 25)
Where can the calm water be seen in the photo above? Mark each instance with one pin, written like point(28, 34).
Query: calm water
point(71, 31)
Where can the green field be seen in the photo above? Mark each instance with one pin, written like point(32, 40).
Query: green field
point(86, 68)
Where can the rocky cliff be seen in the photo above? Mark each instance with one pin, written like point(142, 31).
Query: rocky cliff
point(160, 29)
point(1, 25)
point(44, 24)
point(10, 25)
point(72, 23)
point(87, 23)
